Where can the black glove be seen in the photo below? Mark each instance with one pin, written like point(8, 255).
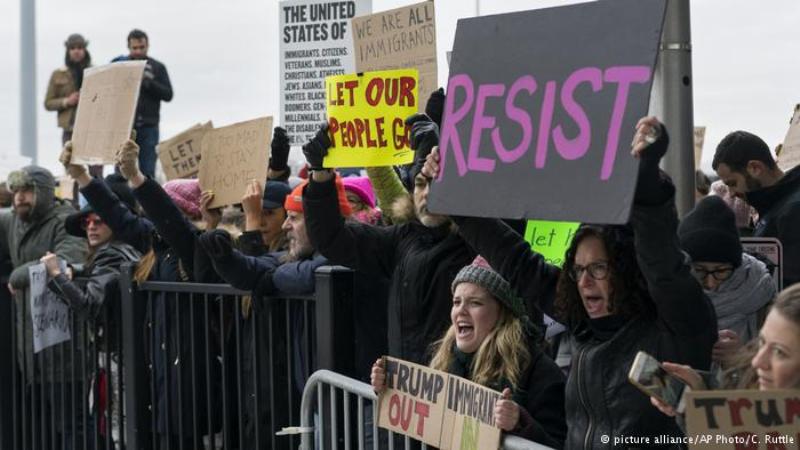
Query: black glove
point(424, 134)
point(280, 150)
point(435, 106)
point(653, 187)
point(316, 149)
point(217, 243)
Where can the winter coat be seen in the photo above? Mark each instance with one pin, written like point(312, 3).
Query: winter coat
point(101, 291)
point(420, 263)
point(26, 243)
point(778, 209)
point(173, 239)
point(153, 91)
point(599, 398)
point(61, 86)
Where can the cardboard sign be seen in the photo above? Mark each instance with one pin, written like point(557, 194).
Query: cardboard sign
point(316, 41)
point(106, 110)
point(469, 416)
point(400, 38)
point(743, 419)
point(437, 408)
point(550, 239)
point(49, 314)
point(232, 156)
point(699, 140)
point(180, 155)
point(771, 249)
point(366, 118)
point(789, 156)
point(540, 112)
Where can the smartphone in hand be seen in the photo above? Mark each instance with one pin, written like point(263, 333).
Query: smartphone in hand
point(647, 375)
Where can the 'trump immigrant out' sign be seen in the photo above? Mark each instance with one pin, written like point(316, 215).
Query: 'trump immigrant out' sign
point(437, 408)
point(540, 112)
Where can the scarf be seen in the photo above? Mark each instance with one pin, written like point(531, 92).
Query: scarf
point(738, 299)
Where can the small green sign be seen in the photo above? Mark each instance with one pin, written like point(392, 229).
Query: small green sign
point(550, 239)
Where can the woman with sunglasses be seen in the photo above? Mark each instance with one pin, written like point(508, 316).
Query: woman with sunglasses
point(623, 289)
point(739, 285)
point(98, 300)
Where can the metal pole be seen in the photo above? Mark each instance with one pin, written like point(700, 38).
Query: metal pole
point(672, 101)
point(27, 79)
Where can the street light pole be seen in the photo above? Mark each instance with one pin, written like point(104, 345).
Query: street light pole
point(672, 101)
point(27, 79)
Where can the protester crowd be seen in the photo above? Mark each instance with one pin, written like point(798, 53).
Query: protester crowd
point(463, 295)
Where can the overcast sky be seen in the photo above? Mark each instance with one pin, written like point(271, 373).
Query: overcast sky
point(222, 58)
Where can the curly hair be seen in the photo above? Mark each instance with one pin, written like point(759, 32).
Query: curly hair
point(629, 295)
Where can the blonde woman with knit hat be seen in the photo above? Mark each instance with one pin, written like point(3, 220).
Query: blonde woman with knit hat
point(492, 342)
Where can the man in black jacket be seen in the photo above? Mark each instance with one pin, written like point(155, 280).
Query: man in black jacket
point(155, 89)
point(420, 257)
point(744, 163)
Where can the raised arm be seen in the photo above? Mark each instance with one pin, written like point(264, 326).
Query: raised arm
point(681, 304)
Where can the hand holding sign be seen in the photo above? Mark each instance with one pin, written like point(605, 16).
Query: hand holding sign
point(50, 261)
point(317, 148)
point(76, 171)
point(378, 376)
point(128, 162)
point(506, 412)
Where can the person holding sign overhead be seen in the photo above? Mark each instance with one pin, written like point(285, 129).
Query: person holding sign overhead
point(622, 289)
point(492, 342)
point(419, 257)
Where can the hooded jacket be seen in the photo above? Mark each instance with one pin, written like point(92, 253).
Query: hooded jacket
point(778, 209)
point(29, 240)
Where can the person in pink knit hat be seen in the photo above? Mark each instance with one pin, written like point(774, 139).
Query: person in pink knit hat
point(362, 200)
point(186, 196)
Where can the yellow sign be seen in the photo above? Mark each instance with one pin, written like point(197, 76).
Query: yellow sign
point(366, 118)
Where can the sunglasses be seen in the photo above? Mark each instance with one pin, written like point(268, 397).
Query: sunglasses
point(91, 220)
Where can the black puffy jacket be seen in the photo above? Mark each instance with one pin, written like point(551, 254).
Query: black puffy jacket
point(420, 263)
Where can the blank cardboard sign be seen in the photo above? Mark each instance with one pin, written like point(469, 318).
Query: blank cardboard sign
point(232, 156)
point(106, 110)
point(540, 112)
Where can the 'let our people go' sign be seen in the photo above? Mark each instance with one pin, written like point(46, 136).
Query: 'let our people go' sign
point(543, 125)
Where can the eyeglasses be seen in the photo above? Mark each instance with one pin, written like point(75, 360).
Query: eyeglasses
point(721, 274)
point(597, 270)
point(91, 220)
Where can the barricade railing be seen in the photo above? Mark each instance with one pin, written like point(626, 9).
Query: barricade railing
point(67, 395)
point(188, 366)
point(327, 422)
point(209, 366)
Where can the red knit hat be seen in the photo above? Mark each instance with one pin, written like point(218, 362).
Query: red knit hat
point(294, 201)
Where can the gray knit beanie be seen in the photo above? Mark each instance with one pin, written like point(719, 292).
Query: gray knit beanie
point(481, 274)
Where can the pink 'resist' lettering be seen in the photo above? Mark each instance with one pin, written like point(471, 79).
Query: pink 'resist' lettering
point(521, 90)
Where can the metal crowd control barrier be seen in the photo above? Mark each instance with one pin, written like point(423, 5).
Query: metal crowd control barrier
point(190, 366)
point(326, 418)
point(217, 368)
point(66, 396)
